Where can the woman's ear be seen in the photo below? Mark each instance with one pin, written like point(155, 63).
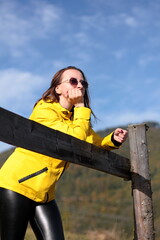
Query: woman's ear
point(58, 90)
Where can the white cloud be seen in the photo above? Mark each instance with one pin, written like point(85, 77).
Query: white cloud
point(130, 21)
point(58, 64)
point(22, 23)
point(19, 89)
point(82, 37)
point(147, 15)
point(119, 54)
point(94, 21)
point(136, 16)
point(121, 19)
point(126, 118)
point(145, 60)
point(102, 21)
point(46, 16)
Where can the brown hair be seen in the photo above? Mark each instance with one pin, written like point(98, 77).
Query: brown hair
point(50, 93)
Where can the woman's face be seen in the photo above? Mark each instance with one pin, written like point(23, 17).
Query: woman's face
point(66, 85)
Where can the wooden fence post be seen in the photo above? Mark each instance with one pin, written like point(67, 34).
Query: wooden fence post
point(141, 183)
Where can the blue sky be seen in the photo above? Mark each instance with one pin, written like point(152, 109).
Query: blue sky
point(115, 42)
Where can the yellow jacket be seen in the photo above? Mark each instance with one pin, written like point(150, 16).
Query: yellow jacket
point(34, 175)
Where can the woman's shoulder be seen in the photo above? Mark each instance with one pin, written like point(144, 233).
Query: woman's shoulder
point(47, 104)
point(47, 107)
point(43, 107)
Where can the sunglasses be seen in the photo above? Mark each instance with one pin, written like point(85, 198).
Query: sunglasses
point(74, 82)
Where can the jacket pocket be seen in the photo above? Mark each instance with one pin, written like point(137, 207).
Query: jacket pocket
point(33, 175)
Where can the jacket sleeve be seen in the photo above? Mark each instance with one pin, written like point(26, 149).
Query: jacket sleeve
point(105, 142)
point(78, 127)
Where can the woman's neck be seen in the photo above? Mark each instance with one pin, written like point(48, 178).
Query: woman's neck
point(66, 105)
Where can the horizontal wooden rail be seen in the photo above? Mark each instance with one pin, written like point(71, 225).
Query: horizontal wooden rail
point(19, 131)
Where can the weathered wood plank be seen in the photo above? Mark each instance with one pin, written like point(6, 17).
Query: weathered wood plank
point(141, 183)
point(19, 131)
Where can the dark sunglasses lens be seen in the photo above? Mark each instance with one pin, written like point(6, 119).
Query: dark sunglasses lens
point(73, 81)
point(84, 84)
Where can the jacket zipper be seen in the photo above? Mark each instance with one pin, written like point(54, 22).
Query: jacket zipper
point(32, 175)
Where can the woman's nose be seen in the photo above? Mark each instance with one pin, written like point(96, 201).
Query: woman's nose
point(79, 85)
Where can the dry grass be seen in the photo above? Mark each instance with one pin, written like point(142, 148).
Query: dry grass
point(102, 235)
point(90, 235)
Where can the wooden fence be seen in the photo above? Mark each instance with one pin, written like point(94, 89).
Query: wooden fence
point(22, 132)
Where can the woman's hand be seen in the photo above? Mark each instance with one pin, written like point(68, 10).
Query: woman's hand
point(120, 135)
point(75, 97)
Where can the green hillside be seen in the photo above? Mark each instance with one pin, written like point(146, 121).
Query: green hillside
point(94, 202)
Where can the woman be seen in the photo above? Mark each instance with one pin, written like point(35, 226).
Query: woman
point(27, 179)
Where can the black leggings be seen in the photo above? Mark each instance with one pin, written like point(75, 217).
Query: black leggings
point(16, 211)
